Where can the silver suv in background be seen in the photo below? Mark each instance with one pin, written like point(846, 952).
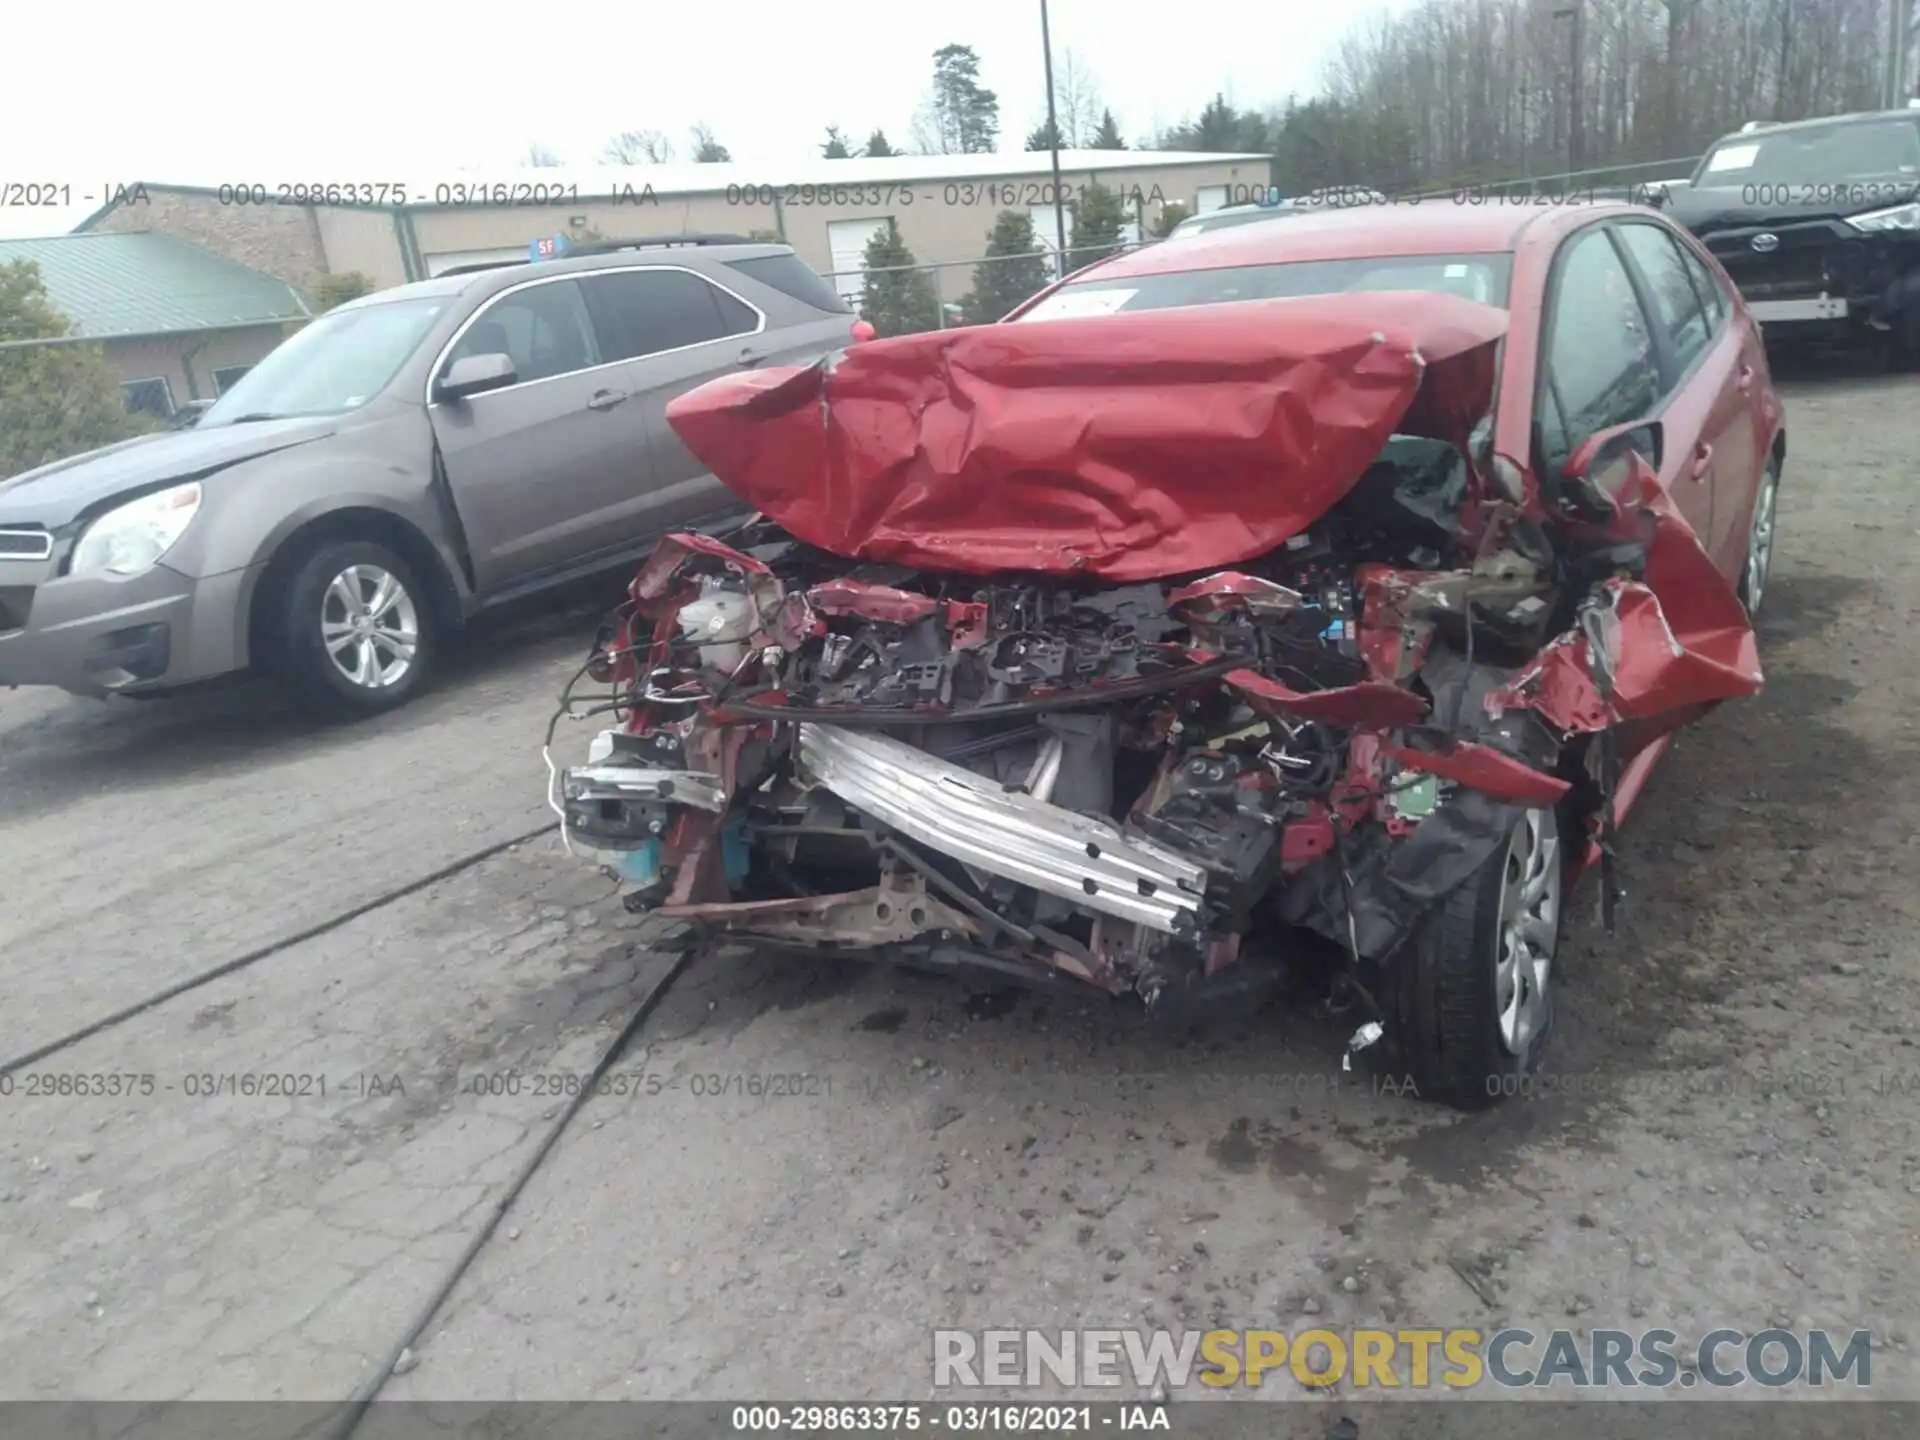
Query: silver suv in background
point(399, 465)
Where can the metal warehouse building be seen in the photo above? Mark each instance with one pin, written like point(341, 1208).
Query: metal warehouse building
point(407, 228)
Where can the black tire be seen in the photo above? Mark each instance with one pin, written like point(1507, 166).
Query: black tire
point(1442, 994)
point(308, 604)
point(1768, 498)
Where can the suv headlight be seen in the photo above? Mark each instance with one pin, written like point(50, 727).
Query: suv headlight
point(1900, 217)
point(132, 537)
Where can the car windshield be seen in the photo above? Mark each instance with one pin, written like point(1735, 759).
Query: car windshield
point(1477, 277)
point(336, 364)
point(1861, 150)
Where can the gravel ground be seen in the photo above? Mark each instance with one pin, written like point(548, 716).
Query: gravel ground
point(1726, 1135)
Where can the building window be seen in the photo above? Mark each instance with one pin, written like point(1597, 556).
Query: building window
point(225, 375)
point(154, 397)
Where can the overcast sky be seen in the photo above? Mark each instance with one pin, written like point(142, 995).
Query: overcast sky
point(354, 91)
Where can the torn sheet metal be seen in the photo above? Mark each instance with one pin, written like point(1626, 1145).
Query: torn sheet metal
point(1673, 638)
point(1126, 447)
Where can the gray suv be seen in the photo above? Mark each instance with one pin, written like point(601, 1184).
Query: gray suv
point(396, 467)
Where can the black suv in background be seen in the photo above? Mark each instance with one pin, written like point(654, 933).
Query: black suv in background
point(1818, 223)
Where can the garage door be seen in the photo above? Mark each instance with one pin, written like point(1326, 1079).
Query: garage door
point(1209, 197)
point(440, 264)
point(847, 243)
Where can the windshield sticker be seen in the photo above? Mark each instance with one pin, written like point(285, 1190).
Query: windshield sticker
point(1456, 272)
point(1069, 304)
point(1734, 157)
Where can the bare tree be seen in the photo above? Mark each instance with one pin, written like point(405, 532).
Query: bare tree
point(638, 147)
point(541, 158)
point(1487, 89)
point(1076, 101)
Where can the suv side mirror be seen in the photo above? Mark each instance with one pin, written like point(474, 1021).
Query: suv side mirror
point(1602, 463)
point(474, 375)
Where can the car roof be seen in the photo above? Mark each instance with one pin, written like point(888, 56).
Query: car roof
point(1816, 122)
point(1430, 227)
point(482, 283)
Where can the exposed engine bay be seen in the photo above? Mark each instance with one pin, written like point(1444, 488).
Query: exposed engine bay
point(1164, 785)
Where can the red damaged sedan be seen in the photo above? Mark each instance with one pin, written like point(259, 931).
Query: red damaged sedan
point(1308, 601)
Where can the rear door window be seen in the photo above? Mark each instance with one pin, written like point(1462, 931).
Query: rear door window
point(1676, 304)
point(1600, 360)
point(643, 312)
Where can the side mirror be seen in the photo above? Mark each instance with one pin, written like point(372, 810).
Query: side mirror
point(474, 375)
point(1601, 465)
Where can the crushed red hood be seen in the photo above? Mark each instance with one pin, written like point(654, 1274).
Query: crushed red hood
point(1125, 446)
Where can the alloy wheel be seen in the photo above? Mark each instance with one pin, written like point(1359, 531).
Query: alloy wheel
point(1529, 929)
point(369, 627)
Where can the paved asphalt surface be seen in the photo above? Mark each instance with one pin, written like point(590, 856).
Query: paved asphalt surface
point(804, 1169)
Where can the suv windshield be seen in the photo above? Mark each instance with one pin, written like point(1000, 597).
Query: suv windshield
point(1477, 277)
point(1859, 150)
point(336, 364)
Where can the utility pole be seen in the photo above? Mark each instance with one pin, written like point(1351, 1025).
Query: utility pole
point(1053, 135)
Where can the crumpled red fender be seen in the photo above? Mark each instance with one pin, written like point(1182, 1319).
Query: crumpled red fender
point(1680, 637)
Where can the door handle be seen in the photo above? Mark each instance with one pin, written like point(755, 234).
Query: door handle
point(1702, 461)
point(1745, 381)
point(607, 399)
point(751, 357)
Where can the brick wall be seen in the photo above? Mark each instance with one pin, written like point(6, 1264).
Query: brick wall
point(282, 240)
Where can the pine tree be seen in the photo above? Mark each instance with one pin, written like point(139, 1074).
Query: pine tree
point(1015, 267)
point(1044, 136)
point(836, 146)
point(1107, 137)
point(896, 299)
point(964, 115)
point(55, 400)
point(1096, 226)
point(1171, 214)
point(877, 145)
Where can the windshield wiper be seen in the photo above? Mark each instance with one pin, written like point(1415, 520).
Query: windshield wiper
point(252, 416)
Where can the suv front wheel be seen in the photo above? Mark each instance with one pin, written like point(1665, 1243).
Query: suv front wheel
point(357, 628)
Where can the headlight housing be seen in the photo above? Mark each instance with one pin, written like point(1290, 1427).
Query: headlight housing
point(1899, 217)
point(133, 537)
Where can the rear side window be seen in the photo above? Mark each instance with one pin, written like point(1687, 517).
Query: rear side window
point(795, 279)
point(1676, 306)
point(643, 312)
point(1600, 364)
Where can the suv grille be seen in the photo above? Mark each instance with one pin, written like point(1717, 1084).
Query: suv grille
point(25, 544)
